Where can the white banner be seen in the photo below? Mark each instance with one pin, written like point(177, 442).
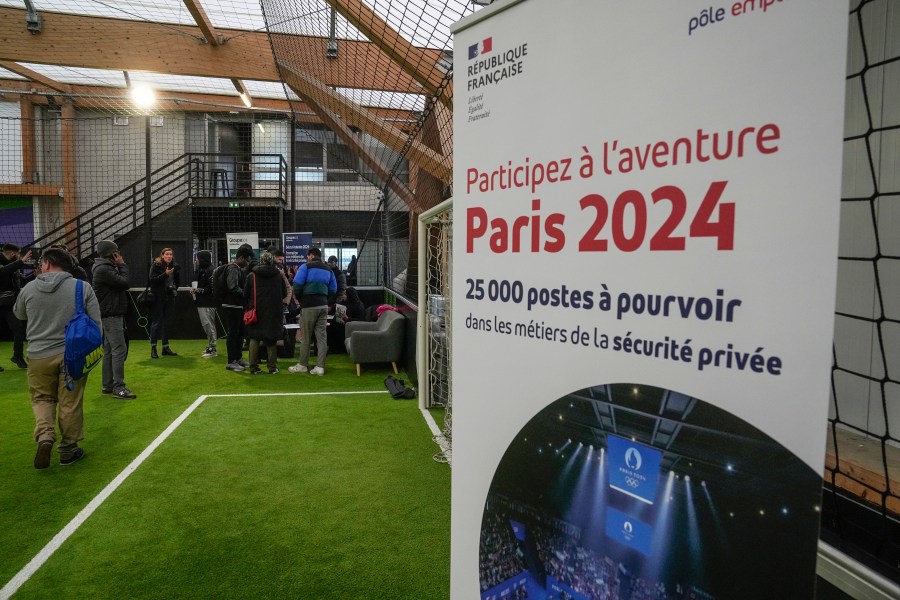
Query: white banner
point(646, 201)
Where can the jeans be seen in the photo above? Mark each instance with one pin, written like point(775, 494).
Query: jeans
point(158, 315)
point(115, 351)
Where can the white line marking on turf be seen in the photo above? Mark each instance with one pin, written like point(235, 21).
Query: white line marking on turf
point(19, 579)
point(435, 430)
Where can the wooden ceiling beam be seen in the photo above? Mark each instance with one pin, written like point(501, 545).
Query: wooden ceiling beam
point(414, 61)
point(208, 30)
point(36, 77)
point(353, 115)
point(122, 45)
point(337, 124)
point(97, 97)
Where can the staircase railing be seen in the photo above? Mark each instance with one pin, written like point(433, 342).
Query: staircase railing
point(187, 176)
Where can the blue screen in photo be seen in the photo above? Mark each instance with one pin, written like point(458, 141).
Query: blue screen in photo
point(633, 468)
point(629, 531)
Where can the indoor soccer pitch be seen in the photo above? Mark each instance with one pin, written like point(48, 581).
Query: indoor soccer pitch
point(214, 484)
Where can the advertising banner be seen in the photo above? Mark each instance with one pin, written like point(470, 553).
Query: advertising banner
point(235, 240)
point(646, 200)
point(296, 246)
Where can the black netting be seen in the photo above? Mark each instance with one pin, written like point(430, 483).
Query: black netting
point(862, 500)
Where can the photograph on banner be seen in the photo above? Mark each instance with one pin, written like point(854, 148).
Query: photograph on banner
point(296, 246)
point(644, 283)
point(578, 498)
point(235, 240)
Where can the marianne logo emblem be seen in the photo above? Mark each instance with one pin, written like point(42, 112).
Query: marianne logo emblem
point(486, 45)
point(633, 459)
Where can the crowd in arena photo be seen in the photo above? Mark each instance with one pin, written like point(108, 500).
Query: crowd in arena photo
point(563, 557)
point(500, 559)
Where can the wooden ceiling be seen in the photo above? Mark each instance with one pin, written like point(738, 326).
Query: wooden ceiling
point(387, 63)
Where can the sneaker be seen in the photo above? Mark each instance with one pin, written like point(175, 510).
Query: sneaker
point(273, 370)
point(19, 362)
point(106, 390)
point(243, 363)
point(42, 457)
point(298, 368)
point(124, 394)
point(166, 351)
point(210, 353)
point(234, 366)
point(317, 371)
point(76, 455)
point(255, 370)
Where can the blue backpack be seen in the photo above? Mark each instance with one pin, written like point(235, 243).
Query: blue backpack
point(84, 342)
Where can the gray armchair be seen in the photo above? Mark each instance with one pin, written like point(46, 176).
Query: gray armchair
point(376, 341)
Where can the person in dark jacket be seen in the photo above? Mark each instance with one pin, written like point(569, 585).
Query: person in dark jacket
point(165, 277)
point(110, 282)
point(313, 284)
point(233, 308)
point(11, 266)
point(264, 290)
point(356, 310)
point(339, 276)
point(206, 301)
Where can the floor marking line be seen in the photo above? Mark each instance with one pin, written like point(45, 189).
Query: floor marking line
point(54, 544)
point(25, 573)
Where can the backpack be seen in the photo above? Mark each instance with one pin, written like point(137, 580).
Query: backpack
point(398, 389)
point(220, 282)
point(84, 342)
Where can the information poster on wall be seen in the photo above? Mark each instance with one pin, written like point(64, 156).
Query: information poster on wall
point(646, 200)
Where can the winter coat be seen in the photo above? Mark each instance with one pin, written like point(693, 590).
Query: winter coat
point(111, 286)
point(270, 289)
point(314, 283)
point(164, 286)
point(205, 296)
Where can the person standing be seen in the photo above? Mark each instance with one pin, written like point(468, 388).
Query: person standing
point(165, 277)
point(11, 266)
point(47, 304)
point(233, 308)
point(264, 290)
point(313, 284)
point(110, 280)
point(206, 301)
point(341, 279)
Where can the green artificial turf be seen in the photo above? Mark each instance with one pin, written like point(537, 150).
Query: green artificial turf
point(252, 496)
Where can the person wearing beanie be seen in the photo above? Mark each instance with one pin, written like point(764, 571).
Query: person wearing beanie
point(109, 277)
point(206, 301)
point(11, 282)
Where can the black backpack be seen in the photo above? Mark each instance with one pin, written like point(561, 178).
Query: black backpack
point(220, 282)
point(398, 389)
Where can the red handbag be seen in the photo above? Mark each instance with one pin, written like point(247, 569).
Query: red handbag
point(250, 314)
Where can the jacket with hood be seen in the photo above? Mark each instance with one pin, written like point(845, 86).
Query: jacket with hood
point(111, 286)
point(47, 303)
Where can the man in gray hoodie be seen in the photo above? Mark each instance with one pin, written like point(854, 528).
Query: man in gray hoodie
point(47, 304)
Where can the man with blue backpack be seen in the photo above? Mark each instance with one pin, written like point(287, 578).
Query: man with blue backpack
point(48, 304)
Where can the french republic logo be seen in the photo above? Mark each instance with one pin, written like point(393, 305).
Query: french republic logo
point(484, 47)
